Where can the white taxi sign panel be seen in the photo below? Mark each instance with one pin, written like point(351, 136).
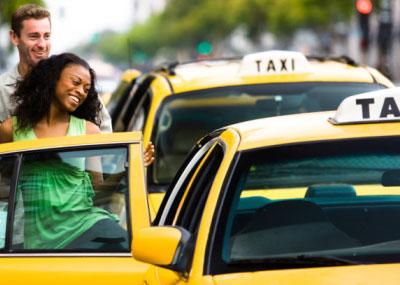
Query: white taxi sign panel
point(274, 62)
point(375, 106)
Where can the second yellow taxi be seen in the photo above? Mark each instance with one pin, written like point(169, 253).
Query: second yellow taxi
point(176, 105)
point(298, 199)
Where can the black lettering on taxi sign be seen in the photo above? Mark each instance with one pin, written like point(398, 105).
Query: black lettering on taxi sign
point(274, 62)
point(276, 65)
point(388, 108)
point(370, 107)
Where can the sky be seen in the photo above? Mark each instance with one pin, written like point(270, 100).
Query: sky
point(75, 21)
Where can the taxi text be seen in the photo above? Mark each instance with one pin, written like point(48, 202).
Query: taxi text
point(388, 108)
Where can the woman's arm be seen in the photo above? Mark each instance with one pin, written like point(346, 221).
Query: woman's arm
point(6, 131)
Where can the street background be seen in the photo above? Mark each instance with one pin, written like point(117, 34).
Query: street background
point(120, 34)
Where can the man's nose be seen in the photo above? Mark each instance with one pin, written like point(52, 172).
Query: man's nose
point(41, 42)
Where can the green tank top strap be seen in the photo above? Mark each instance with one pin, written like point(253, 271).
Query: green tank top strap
point(21, 135)
point(76, 127)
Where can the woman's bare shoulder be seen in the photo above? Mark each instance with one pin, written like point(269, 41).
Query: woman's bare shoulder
point(92, 128)
point(6, 131)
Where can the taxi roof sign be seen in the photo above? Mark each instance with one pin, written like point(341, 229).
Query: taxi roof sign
point(376, 106)
point(274, 62)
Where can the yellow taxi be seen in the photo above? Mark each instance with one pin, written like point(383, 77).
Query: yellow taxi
point(39, 231)
point(178, 104)
point(114, 104)
point(297, 199)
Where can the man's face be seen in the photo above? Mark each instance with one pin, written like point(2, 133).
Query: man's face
point(34, 41)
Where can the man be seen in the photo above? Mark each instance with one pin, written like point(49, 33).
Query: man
point(31, 34)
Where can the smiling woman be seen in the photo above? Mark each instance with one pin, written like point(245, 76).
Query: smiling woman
point(58, 98)
point(58, 91)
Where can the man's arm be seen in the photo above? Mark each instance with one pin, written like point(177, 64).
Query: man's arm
point(106, 124)
point(94, 163)
point(5, 111)
point(6, 131)
point(7, 87)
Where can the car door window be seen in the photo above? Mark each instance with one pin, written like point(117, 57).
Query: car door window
point(72, 201)
point(137, 105)
point(194, 197)
point(118, 99)
point(174, 195)
point(6, 172)
point(136, 117)
point(192, 206)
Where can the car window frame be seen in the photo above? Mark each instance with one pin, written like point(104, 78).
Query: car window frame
point(189, 208)
point(126, 88)
point(11, 202)
point(138, 89)
point(9, 251)
point(214, 265)
point(143, 103)
point(175, 191)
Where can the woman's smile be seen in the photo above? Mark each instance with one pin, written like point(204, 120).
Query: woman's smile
point(76, 99)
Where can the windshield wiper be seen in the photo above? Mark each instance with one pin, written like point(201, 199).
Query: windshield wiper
point(311, 260)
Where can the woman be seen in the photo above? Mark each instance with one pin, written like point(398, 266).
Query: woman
point(61, 89)
point(52, 95)
point(58, 98)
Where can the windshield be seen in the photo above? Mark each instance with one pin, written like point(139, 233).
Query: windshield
point(183, 119)
point(314, 204)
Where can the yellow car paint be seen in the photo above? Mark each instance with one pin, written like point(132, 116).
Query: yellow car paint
point(83, 268)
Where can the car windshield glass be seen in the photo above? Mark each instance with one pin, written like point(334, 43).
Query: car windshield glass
point(184, 118)
point(322, 202)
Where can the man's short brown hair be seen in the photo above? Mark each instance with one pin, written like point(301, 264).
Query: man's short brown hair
point(25, 12)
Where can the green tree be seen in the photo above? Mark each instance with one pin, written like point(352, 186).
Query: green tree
point(183, 24)
point(8, 7)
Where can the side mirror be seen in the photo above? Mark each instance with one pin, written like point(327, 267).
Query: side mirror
point(165, 246)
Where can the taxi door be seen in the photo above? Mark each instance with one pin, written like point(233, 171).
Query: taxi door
point(60, 223)
point(190, 205)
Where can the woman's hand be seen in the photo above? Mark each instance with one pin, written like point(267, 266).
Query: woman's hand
point(149, 154)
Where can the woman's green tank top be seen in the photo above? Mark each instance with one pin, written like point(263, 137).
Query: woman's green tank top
point(58, 196)
point(76, 127)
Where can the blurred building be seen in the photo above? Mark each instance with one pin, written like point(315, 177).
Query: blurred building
point(384, 38)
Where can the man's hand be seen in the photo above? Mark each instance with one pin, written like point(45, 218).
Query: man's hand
point(149, 154)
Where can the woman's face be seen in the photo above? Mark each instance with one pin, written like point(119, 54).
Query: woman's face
point(72, 88)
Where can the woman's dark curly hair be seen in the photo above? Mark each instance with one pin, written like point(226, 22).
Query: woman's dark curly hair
point(35, 93)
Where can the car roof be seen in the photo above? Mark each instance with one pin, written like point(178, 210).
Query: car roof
point(205, 74)
point(130, 74)
point(369, 114)
point(305, 127)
